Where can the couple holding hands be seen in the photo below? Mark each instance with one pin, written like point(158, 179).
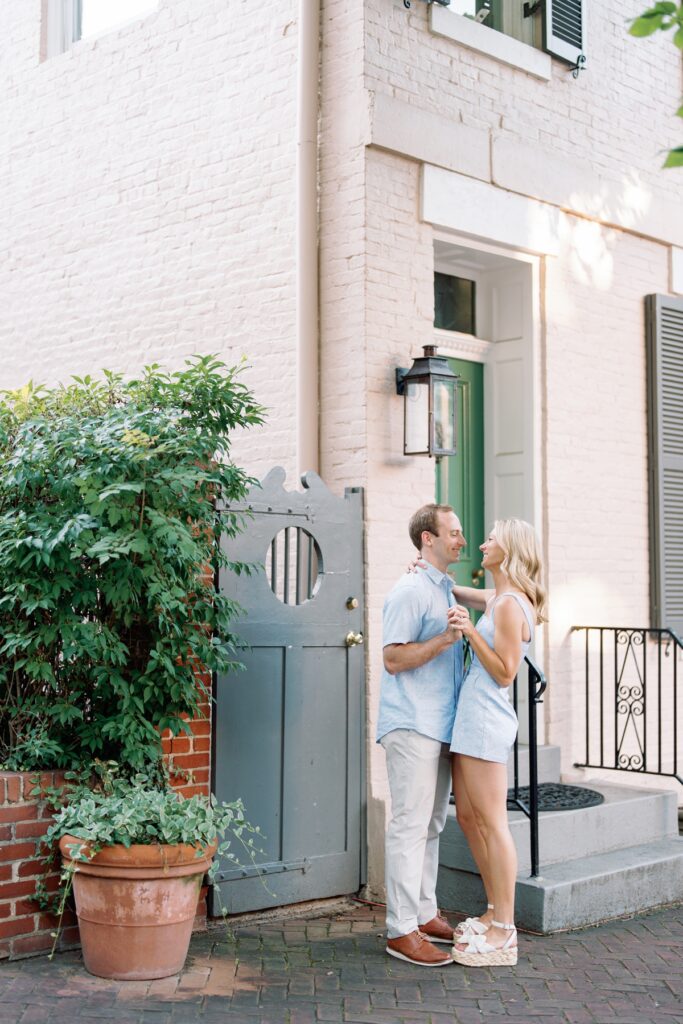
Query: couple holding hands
point(441, 725)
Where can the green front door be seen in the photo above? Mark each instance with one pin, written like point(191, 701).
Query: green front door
point(460, 478)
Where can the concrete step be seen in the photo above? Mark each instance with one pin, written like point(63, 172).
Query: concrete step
point(627, 816)
point(584, 891)
point(548, 765)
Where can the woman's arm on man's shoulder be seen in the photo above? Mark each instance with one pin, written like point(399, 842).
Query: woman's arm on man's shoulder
point(473, 597)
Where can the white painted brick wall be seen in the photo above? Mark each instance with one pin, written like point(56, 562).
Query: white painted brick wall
point(618, 116)
point(147, 201)
point(596, 450)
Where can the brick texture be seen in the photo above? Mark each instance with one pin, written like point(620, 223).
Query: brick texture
point(24, 818)
point(327, 966)
point(126, 151)
point(24, 928)
point(189, 755)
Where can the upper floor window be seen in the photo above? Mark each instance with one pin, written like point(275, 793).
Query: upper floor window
point(556, 26)
point(68, 21)
point(505, 16)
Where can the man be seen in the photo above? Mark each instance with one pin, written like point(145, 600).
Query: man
point(420, 685)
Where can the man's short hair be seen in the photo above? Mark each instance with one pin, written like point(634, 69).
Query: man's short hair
point(426, 518)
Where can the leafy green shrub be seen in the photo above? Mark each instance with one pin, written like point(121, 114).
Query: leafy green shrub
point(109, 539)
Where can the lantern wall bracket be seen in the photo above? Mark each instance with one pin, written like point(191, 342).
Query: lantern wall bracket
point(401, 372)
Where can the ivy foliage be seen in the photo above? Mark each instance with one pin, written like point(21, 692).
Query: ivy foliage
point(662, 17)
point(109, 538)
point(101, 807)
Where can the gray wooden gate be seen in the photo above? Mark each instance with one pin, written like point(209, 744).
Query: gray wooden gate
point(289, 730)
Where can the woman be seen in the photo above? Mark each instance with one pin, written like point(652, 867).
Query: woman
point(485, 729)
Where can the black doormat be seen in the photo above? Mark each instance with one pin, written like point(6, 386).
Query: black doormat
point(556, 796)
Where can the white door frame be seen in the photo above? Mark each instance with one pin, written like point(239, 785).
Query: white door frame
point(483, 350)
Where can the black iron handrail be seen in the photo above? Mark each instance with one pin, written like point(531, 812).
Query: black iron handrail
point(536, 686)
point(631, 717)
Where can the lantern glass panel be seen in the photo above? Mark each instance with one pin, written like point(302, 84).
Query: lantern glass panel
point(444, 415)
point(417, 418)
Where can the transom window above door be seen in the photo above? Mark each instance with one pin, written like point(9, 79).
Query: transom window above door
point(454, 303)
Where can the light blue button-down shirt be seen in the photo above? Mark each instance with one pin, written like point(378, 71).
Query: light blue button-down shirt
point(425, 698)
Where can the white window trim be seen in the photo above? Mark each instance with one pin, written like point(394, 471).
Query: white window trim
point(60, 20)
point(482, 39)
point(676, 270)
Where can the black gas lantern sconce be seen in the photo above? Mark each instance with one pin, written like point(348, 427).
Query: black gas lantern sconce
point(429, 404)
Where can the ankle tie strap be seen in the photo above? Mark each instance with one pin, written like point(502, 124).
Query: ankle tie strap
point(505, 927)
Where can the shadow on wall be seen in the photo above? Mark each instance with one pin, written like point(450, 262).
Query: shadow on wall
point(377, 819)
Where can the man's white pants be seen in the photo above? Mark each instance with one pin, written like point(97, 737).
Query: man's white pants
point(419, 770)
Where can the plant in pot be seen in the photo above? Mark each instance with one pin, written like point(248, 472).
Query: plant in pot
point(109, 543)
point(136, 856)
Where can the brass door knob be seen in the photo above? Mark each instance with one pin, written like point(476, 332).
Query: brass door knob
point(477, 575)
point(353, 639)
point(351, 603)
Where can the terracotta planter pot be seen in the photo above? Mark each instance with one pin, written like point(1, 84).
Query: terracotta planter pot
point(136, 907)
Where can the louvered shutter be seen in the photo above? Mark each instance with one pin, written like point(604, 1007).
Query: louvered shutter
point(564, 29)
point(664, 317)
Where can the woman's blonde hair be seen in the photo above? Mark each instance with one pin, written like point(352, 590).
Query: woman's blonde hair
point(522, 562)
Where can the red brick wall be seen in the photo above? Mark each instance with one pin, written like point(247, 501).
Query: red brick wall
point(189, 756)
point(189, 760)
point(24, 928)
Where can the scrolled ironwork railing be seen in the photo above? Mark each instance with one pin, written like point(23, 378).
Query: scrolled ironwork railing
point(632, 700)
point(536, 686)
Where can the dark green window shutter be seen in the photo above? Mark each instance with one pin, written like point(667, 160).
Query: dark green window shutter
point(564, 29)
point(664, 318)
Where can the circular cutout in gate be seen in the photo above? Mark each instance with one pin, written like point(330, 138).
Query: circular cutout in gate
point(294, 565)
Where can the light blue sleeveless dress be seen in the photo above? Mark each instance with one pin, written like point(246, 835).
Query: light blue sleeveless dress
point(485, 723)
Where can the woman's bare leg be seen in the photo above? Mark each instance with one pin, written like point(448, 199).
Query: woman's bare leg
point(475, 840)
point(485, 785)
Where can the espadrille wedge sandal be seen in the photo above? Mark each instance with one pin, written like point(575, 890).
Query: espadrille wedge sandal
point(472, 925)
point(480, 953)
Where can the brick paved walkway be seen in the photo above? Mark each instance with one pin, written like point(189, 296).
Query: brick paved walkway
point(333, 968)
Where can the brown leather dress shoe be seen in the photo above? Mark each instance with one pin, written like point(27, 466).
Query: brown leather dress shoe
point(438, 930)
point(417, 950)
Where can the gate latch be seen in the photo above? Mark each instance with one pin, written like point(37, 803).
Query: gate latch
point(353, 639)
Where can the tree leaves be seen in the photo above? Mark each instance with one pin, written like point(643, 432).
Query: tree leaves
point(662, 17)
point(675, 158)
